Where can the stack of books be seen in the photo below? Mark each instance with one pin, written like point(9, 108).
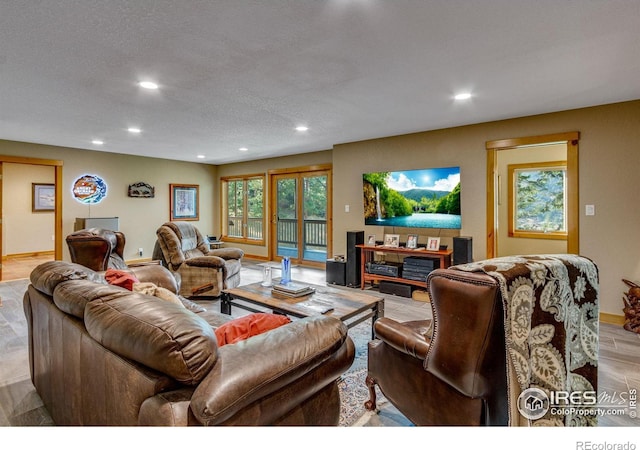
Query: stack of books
point(292, 289)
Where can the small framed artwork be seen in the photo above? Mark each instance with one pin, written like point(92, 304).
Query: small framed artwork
point(433, 244)
point(183, 202)
point(43, 197)
point(412, 241)
point(391, 240)
point(371, 239)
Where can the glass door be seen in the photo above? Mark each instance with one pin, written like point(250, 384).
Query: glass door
point(301, 216)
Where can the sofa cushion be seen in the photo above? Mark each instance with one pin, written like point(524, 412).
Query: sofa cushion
point(121, 278)
point(158, 334)
point(47, 276)
point(73, 296)
point(250, 325)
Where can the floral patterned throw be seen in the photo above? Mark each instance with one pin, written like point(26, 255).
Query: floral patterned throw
point(551, 331)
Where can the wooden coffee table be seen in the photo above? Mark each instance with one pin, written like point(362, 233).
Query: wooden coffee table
point(350, 306)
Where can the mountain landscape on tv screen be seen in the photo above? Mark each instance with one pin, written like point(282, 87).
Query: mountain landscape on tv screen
point(424, 198)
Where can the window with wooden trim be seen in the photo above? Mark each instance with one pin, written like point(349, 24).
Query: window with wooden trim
point(538, 200)
point(243, 209)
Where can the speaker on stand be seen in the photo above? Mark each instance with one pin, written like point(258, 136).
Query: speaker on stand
point(352, 276)
point(462, 250)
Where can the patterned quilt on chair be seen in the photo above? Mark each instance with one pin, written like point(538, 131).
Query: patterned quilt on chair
point(551, 331)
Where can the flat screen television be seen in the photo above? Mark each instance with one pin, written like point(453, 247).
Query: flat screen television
point(418, 198)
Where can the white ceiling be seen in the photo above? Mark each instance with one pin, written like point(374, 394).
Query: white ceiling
point(244, 73)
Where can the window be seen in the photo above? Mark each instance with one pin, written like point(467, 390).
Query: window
point(243, 209)
point(538, 199)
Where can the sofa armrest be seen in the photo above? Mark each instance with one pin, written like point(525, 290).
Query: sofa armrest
point(407, 337)
point(314, 351)
point(156, 274)
point(227, 253)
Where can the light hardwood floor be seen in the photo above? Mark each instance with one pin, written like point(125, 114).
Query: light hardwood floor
point(618, 368)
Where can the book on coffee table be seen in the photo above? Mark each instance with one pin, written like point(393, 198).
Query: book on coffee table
point(302, 293)
point(291, 287)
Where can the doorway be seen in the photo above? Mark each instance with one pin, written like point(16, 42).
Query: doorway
point(300, 211)
point(498, 200)
point(57, 165)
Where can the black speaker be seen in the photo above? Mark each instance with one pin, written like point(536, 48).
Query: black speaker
point(462, 250)
point(353, 258)
point(336, 271)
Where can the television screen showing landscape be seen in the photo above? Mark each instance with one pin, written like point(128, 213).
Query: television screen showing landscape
point(424, 198)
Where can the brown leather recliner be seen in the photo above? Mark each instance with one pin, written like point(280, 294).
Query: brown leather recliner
point(451, 371)
point(100, 249)
point(203, 272)
point(97, 248)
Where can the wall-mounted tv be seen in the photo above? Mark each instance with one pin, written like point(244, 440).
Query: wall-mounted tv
point(419, 198)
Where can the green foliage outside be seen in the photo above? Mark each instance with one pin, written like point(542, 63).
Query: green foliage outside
point(540, 198)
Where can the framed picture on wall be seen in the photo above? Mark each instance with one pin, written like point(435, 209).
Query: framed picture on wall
point(184, 202)
point(43, 197)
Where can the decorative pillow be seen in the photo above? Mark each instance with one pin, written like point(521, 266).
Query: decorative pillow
point(149, 288)
point(121, 278)
point(246, 326)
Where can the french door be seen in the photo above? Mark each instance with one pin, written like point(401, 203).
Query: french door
point(301, 215)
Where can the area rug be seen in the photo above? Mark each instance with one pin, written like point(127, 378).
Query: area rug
point(353, 389)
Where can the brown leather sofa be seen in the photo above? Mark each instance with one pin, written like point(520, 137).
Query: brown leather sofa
point(455, 376)
point(102, 355)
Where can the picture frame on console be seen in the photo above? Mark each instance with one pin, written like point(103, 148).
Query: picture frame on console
point(433, 244)
point(412, 241)
point(391, 240)
point(371, 239)
point(184, 202)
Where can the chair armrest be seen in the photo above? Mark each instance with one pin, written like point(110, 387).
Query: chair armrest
point(156, 274)
point(227, 253)
point(309, 353)
point(405, 337)
point(205, 261)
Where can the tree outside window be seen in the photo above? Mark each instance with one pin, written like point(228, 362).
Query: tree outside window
point(537, 207)
point(243, 209)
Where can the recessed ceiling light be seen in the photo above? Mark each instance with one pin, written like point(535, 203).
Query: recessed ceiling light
point(200, 156)
point(97, 142)
point(243, 149)
point(302, 128)
point(462, 96)
point(134, 130)
point(148, 85)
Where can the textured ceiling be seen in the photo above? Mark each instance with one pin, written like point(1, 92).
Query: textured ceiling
point(241, 73)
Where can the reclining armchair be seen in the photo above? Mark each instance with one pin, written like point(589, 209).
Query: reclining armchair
point(455, 375)
point(100, 249)
point(203, 272)
point(500, 328)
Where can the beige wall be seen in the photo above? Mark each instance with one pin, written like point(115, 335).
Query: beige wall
point(608, 178)
point(505, 244)
point(139, 217)
point(25, 231)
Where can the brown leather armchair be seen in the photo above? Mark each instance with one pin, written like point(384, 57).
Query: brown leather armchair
point(451, 371)
point(203, 272)
point(100, 249)
point(97, 248)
